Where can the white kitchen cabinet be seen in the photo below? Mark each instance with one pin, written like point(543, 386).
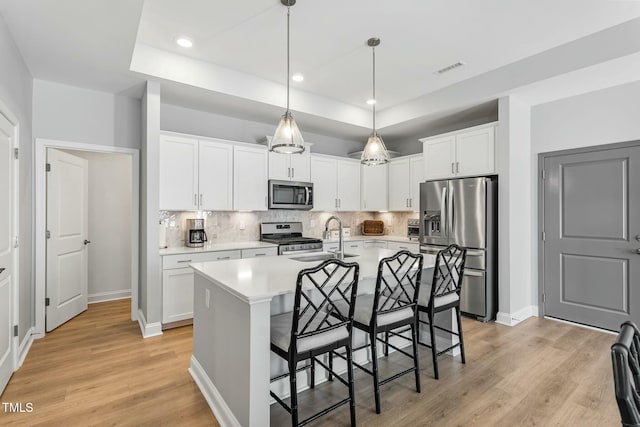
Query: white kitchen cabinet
point(380, 244)
point(373, 184)
point(195, 174)
point(290, 167)
point(400, 246)
point(178, 279)
point(331, 246)
point(405, 176)
point(259, 252)
point(250, 177)
point(336, 183)
point(178, 173)
point(353, 246)
point(466, 152)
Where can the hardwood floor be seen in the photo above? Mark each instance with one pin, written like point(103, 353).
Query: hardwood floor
point(97, 370)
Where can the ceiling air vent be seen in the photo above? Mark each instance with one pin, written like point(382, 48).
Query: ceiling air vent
point(450, 67)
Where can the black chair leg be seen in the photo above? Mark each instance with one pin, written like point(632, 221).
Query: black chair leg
point(374, 363)
point(460, 333)
point(313, 372)
point(352, 395)
point(386, 343)
point(294, 394)
point(331, 366)
point(416, 362)
point(434, 351)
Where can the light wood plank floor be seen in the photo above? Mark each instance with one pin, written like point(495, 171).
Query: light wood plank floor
point(97, 370)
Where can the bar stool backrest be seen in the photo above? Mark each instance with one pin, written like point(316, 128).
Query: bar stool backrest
point(626, 373)
point(317, 291)
point(397, 283)
point(447, 274)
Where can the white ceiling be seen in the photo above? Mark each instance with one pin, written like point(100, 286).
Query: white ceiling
point(237, 65)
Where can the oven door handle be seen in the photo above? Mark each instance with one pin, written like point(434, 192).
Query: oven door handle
point(306, 191)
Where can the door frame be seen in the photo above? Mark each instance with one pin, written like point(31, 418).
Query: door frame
point(40, 211)
point(542, 157)
point(16, 346)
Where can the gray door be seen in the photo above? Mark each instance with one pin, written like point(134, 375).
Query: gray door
point(467, 212)
point(592, 227)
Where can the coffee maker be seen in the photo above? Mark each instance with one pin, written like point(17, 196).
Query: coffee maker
point(195, 233)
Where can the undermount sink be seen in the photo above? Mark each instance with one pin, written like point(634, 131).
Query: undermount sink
point(320, 257)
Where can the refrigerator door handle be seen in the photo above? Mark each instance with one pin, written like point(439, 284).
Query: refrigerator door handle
point(450, 213)
point(443, 204)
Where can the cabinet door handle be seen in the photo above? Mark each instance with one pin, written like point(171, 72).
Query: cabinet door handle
point(200, 199)
point(195, 200)
point(223, 258)
point(263, 254)
point(293, 172)
point(339, 202)
point(403, 247)
point(452, 168)
point(288, 172)
point(411, 203)
point(184, 261)
point(457, 166)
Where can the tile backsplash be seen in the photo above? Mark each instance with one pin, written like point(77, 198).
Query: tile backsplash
point(242, 226)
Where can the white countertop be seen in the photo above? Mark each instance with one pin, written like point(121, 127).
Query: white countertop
point(259, 279)
point(387, 238)
point(214, 247)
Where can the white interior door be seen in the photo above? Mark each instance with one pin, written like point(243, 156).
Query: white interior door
point(7, 342)
point(67, 217)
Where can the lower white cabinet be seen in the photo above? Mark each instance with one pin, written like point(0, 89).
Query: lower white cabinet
point(177, 280)
point(350, 246)
point(381, 244)
point(398, 246)
point(255, 253)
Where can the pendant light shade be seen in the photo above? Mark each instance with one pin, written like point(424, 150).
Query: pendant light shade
point(287, 138)
point(375, 152)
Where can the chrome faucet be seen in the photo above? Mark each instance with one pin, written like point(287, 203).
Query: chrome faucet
point(327, 235)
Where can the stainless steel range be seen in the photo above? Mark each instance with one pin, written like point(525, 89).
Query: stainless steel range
point(288, 237)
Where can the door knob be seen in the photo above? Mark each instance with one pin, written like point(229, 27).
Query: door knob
point(637, 251)
point(638, 237)
point(86, 242)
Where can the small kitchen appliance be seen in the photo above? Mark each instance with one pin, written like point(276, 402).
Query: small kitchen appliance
point(413, 229)
point(288, 237)
point(196, 235)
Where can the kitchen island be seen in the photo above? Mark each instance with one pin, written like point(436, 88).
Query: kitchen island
point(231, 361)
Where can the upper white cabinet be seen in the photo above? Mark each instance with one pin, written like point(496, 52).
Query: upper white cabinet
point(336, 183)
point(290, 167)
point(405, 176)
point(250, 177)
point(462, 153)
point(374, 187)
point(195, 174)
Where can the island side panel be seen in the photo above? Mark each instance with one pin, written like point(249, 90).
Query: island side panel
point(230, 341)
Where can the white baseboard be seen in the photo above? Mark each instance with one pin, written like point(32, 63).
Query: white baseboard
point(512, 319)
point(220, 409)
point(148, 329)
point(109, 296)
point(24, 347)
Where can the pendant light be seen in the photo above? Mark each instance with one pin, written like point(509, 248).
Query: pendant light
point(375, 152)
point(287, 139)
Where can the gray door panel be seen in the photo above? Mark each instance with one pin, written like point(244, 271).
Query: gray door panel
point(591, 217)
point(467, 220)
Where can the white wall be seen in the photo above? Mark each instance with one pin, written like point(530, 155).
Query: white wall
point(16, 93)
point(110, 177)
point(602, 117)
point(185, 120)
point(74, 114)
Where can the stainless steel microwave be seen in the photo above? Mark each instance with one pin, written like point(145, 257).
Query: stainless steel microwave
point(290, 195)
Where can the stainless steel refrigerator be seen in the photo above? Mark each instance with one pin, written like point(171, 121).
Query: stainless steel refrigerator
point(464, 211)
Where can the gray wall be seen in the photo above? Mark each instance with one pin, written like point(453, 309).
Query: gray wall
point(596, 118)
point(185, 120)
point(73, 114)
point(16, 86)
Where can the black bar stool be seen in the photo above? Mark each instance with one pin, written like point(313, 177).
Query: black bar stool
point(625, 358)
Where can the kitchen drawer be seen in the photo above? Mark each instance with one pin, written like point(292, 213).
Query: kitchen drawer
point(183, 260)
point(382, 244)
point(332, 246)
point(260, 252)
point(398, 246)
point(354, 245)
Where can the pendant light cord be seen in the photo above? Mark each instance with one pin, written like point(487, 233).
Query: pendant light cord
point(374, 89)
point(288, 48)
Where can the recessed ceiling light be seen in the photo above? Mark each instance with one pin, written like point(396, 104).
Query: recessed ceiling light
point(184, 42)
point(297, 77)
point(371, 101)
